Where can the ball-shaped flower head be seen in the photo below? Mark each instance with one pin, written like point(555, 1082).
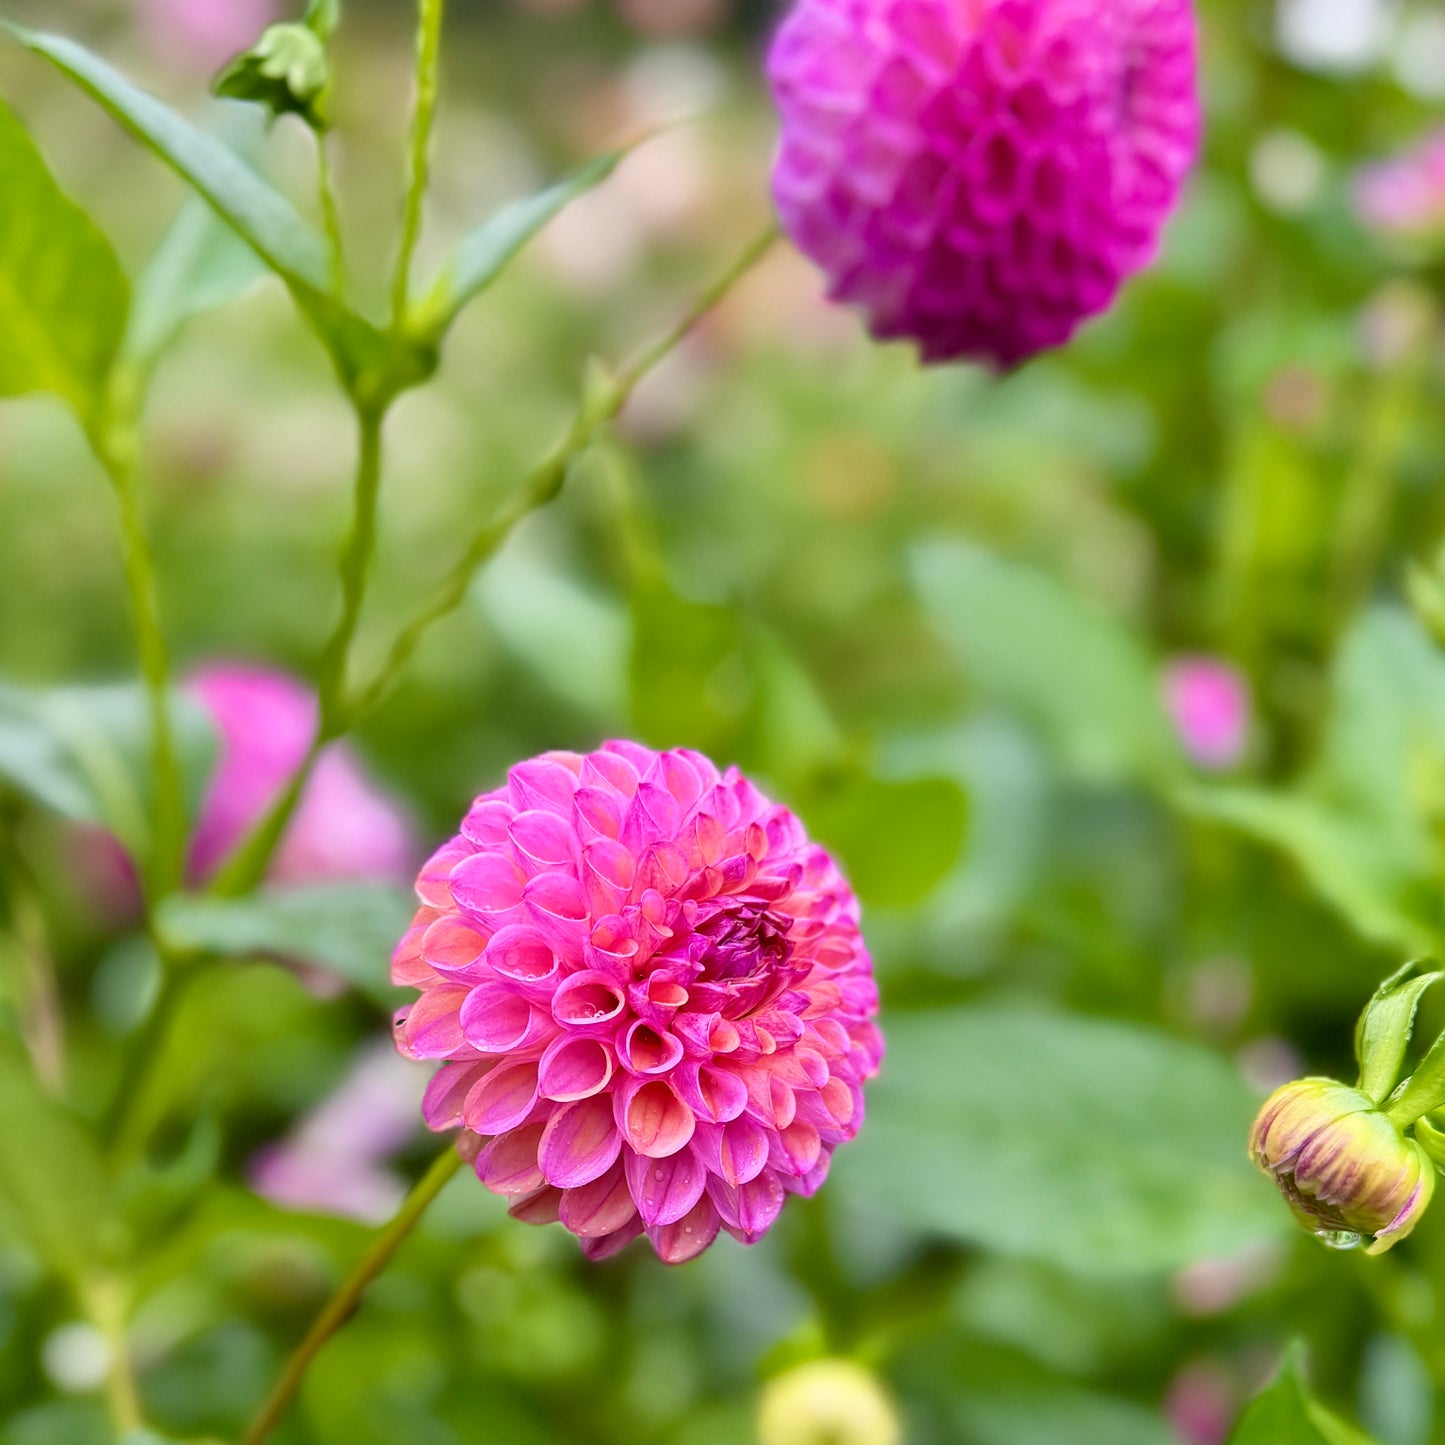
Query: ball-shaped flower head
point(651, 995)
point(981, 175)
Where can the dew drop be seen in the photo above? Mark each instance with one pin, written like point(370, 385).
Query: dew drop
point(1339, 1238)
point(657, 1174)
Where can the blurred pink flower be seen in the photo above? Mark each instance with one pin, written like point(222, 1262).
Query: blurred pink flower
point(981, 175)
point(345, 828)
point(204, 34)
point(1202, 1403)
point(331, 1162)
point(650, 990)
point(1404, 197)
point(1209, 703)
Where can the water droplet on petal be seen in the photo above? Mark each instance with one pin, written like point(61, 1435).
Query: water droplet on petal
point(1339, 1238)
point(657, 1174)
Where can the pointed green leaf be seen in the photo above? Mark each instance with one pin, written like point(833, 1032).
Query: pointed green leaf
point(1383, 1032)
point(1287, 1414)
point(201, 266)
point(258, 213)
point(63, 296)
point(483, 255)
point(250, 205)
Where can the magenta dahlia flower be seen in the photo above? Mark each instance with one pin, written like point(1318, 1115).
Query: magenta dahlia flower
point(651, 995)
point(981, 175)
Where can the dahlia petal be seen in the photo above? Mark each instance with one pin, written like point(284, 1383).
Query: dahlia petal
point(614, 1243)
point(665, 1189)
point(543, 1207)
point(737, 1152)
point(687, 1237)
point(446, 1094)
point(794, 1150)
point(544, 840)
point(502, 1100)
point(557, 904)
point(544, 783)
point(589, 1003)
point(644, 1050)
point(521, 957)
point(431, 1028)
point(608, 870)
point(495, 1020)
point(580, 1144)
point(720, 1095)
point(433, 884)
point(653, 1120)
point(602, 1207)
point(487, 823)
point(574, 1068)
point(609, 770)
point(452, 946)
point(598, 813)
point(488, 886)
point(508, 1164)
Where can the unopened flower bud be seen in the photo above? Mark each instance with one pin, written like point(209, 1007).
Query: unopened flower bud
point(287, 69)
point(1346, 1170)
point(828, 1402)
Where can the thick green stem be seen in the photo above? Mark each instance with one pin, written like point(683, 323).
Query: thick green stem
point(343, 1304)
point(115, 448)
point(428, 68)
point(606, 396)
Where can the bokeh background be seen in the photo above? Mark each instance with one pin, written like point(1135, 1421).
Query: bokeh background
point(1102, 677)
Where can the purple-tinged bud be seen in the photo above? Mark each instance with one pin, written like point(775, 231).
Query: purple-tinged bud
point(1347, 1171)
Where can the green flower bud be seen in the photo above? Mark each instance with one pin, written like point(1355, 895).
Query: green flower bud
point(287, 70)
point(828, 1402)
point(1347, 1171)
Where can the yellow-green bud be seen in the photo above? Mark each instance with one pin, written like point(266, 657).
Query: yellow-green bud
point(1348, 1172)
point(828, 1402)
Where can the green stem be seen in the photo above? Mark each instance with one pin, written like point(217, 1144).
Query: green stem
point(605, 398)
point(428, 67)
point(246, 867)
point(344, 1303)
point(115, 449)
point(104, 1302)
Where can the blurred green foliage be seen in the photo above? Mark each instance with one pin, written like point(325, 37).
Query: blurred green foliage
point(931, 611)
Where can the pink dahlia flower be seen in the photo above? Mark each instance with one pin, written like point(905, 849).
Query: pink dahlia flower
point(345, 828)
point(1404, 197)
point(651, 995)
point(1209, 703)
point(981, 175)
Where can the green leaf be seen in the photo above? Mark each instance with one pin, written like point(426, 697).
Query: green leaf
point(896, 840)
point(201, 266)
point(84, 752)
point(63, 296)
point(1078, 675)
point(51, 1176)
point(351, 928)
point(1049, 1415)
point(485, 253)
point(1098, 1146)
point(1360, 822)
point(1383, 1032)
point(1287, 1414)
point(369, 360)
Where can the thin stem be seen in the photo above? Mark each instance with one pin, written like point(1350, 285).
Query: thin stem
point(246, 867)
point(428, 67)
point(343, 1304)
point(331, 214)
point(115, 448)
point(605, 398)
point(42, 1019)
point(104, 1301)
